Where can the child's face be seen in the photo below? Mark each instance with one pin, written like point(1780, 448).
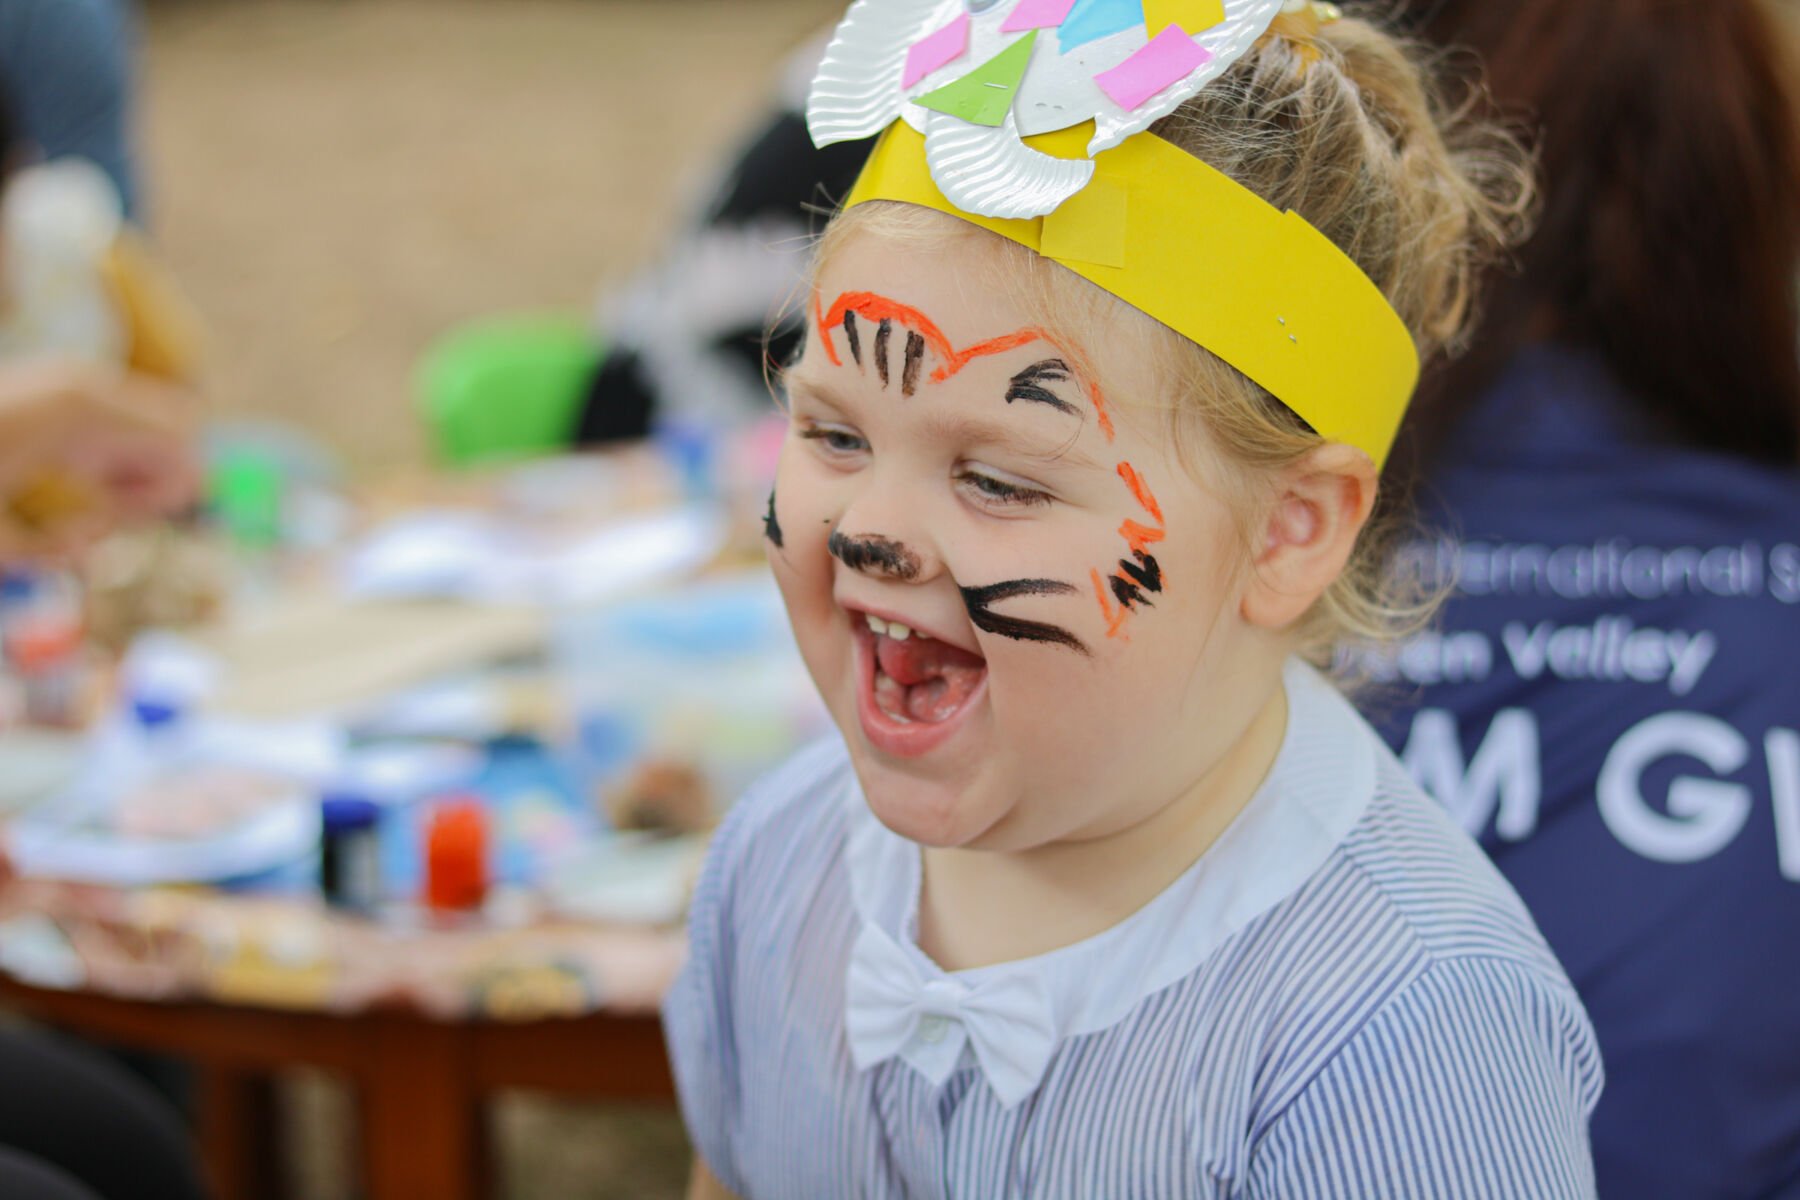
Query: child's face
point(1076, 657)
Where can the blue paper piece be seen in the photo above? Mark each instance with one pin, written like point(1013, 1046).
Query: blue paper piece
point(1091, 20)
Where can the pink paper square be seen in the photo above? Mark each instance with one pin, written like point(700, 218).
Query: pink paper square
point(934, 50)
point(1167, 59)
point(1036, 14)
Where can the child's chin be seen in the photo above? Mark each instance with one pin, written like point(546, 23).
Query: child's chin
point(941, 814)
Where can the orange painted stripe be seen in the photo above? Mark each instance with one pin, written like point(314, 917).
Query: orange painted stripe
point(1106, 425)
point(831, 353)
point(1140, 537)
point(1114, 614)
point(1141, 490)
point(959, 359)
point(951, 360)
point(880, 308)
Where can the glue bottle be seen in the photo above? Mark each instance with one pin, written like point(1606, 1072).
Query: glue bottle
point(456, 855)
point(349, 851)
point(45, 636)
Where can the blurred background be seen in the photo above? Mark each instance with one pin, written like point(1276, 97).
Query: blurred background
point(337, 182)
point(384, 619)
point(338, 188)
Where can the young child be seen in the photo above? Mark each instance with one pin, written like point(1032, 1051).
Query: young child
point(1104, 892)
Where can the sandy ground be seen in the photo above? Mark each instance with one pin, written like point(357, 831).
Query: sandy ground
point(339, 181)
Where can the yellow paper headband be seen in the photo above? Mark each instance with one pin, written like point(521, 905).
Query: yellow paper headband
point(1186, 244)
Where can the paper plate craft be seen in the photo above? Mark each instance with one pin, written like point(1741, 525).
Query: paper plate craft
point(1031, 119)
point(977, 77)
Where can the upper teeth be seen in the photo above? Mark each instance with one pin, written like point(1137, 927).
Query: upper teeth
point(893, 629)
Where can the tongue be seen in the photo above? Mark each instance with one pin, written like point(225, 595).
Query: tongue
point(935, 677)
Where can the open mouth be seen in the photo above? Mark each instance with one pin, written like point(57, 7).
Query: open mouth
point(915, 689)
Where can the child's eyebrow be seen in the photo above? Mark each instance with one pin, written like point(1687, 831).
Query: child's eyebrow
point(796, 384)
point(1010, 437)
point(1029, 384)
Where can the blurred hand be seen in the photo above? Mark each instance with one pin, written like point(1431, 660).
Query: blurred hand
point(85, 448)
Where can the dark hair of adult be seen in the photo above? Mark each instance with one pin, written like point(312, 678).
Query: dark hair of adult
point(1669, 241)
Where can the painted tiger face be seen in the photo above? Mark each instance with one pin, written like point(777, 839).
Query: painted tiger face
point(1018, 604)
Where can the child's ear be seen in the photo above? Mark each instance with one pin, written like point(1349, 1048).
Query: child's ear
point(1321, 503)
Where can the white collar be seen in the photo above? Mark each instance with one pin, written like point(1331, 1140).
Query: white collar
point(900, 1002)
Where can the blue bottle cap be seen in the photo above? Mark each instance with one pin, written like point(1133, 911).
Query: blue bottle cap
point(152, 713)
point(347, 812)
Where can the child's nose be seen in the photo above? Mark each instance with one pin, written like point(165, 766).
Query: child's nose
point(879, 539)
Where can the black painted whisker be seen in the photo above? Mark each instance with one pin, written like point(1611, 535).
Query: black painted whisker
point(979, 599)
point(854, 337)
point(771, 524)
point(868, 551)
point(1028, 385)
point(882, 332)
point(915, 354)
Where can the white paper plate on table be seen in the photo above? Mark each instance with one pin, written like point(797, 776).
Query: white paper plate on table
point(628, 879)
point(45, 845)
point(36, 764)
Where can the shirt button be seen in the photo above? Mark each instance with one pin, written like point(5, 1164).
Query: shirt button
point(932, 1029)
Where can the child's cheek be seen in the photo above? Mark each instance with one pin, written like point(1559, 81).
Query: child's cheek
point(800, 503)
point(1061, 558)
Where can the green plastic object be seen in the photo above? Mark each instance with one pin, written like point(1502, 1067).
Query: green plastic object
point(506, 389)
point(247, 490)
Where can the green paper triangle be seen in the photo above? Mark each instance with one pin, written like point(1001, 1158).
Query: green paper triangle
point(984, 95)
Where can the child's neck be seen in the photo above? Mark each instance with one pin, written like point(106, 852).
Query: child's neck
point(977, 908)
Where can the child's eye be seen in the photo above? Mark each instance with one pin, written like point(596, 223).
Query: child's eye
point(998, 491)
point(835, 439)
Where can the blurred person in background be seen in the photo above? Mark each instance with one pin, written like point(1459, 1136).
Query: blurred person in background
point(689, 335)
point(97, 355)
point(84, 448)
point(95, 432)
point(69, 66)
point(1611, 702)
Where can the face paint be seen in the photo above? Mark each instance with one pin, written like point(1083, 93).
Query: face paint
point(915, 354)
point(1002, 716)
point(979, 600)
point(882, 332)
point(853, 337)
point(1140, 574)
point(1029, 385)
point(1131, 583)
point(872, 551)
point(924, 337)
point(771, 524)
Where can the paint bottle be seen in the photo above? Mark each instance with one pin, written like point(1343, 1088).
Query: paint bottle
point(43, 638)
point(456, 855)
point(349, 851)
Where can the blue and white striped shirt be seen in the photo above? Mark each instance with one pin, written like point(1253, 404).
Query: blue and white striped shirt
point(1340, 999)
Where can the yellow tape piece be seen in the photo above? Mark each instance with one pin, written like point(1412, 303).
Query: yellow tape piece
point(1201, 253)
point(1194, 16)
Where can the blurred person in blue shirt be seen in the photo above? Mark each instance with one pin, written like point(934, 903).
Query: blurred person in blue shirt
point(68, 70)
point(97, 355)
point(1612, 700)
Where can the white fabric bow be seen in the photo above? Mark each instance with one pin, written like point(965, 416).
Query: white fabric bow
point(891, 1005)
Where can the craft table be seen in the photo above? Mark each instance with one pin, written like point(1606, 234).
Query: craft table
point(423, 1021)
point(420, 1083)
point(424, 1016)
point(461, 1015)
